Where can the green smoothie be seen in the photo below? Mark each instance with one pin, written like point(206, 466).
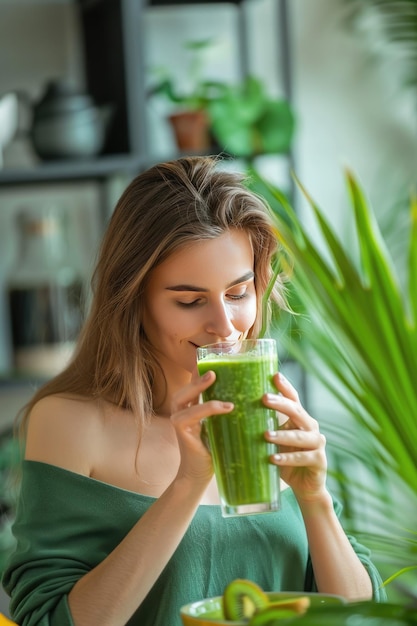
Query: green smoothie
point(236, 440)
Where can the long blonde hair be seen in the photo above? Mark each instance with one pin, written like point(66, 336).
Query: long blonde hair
point(162, 210)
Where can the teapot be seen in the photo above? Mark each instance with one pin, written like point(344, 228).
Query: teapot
point(67, 124)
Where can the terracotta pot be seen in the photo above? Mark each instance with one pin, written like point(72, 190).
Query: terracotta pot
point(191, 130)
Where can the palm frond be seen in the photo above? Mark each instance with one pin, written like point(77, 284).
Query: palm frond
point(358, 335)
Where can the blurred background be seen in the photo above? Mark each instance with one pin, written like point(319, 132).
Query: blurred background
point(107, 66)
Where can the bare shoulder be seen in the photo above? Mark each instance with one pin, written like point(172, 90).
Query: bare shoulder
point(64, 431)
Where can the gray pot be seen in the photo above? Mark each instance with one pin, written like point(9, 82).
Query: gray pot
point(67, 124)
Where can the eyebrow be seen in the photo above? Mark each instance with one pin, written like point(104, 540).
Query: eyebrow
point(242, 279)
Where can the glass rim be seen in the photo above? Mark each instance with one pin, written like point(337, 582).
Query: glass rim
point(233, 347)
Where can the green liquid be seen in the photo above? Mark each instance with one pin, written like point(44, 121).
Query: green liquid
point(236, 440)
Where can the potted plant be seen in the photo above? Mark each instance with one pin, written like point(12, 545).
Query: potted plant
point(357, 328)
point(241, 118)
point(189, 119)
point(246, 121)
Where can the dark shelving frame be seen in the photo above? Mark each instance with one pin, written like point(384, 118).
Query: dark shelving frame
point(114, 52)
point(120, 77)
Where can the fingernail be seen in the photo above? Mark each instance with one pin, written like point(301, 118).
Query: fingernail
point(228, 405)
point(206, 376)
point(272, 433)
point(276, 457)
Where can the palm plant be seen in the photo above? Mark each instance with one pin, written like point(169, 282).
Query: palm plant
point(356, 331)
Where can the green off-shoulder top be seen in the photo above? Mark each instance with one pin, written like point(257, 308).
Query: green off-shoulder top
point(67, 523)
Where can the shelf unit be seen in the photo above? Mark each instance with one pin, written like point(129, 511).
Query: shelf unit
point(114, 67)
point(111, 34)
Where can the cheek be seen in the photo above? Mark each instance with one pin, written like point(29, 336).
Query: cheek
point(177, 324)
point(157, 321)
point(245, 317)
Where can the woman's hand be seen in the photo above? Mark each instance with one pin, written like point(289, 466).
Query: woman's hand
point(186, 416)
point(301, 455)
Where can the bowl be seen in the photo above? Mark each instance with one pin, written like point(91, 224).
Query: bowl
point(209, 612)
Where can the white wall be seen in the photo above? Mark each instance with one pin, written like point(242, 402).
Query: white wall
point(349, 109)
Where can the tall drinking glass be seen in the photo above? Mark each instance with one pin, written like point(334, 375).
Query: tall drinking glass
point(248, 483)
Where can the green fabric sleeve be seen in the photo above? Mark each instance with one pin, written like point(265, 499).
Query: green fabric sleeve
point(50, 556)
point(60, 614)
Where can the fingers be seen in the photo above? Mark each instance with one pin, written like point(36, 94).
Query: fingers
point(298, 439)
point(306, 459)
point(189, 395)
point(292, 410)
point(284, 386)
point(298, 448)
point(287, 404)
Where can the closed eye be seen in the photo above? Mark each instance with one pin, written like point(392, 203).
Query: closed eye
point(187, 305)
point(199, 301)
point(239, 296)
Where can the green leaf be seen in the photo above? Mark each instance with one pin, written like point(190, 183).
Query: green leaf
point(276, 127)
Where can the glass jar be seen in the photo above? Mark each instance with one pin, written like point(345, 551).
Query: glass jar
point(45, 292)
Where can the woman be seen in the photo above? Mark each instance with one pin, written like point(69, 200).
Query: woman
point(119, 519)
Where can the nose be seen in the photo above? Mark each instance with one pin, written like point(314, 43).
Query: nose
point(219, 322)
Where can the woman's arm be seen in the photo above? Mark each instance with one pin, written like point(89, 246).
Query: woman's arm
point(337, 568)
point(110, 593)
point(302, 460)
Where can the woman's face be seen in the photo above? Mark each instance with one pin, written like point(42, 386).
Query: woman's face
point(202, 294)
